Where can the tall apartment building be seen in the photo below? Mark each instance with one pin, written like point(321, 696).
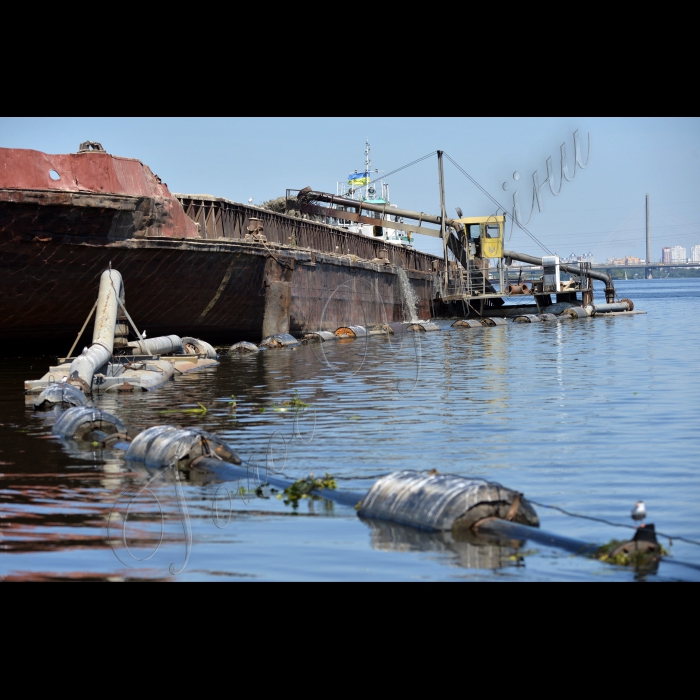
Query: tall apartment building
point(665, 255)
point(695, 254)
point(678, 254)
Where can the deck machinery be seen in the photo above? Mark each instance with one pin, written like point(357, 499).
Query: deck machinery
point(480, 277)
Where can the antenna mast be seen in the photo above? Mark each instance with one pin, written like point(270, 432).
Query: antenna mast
point(368, 167)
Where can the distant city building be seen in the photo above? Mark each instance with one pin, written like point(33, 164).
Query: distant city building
point(695, 254)
point(678, 254)
point(665, 255)
point(573, 258)
point(628, 260)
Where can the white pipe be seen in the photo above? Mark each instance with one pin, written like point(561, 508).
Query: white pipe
point(99, 353)
point(162, 345)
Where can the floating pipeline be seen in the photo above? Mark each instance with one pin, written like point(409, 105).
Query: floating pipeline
point(426, 501)
point(282, 340)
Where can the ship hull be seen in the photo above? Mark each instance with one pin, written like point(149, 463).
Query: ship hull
point(214, 290)
point(192, 264)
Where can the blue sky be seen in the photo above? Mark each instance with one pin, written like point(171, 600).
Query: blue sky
point(601, 210)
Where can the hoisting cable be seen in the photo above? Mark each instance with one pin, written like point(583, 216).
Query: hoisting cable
point(497, 203)
point(403, 167)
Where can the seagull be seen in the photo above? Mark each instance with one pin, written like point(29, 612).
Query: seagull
point(143, 334)
point(639, 512)
point(85, 350)
point(65, 379)
point(250, 200)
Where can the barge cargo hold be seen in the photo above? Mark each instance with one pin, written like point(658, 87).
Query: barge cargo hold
point(207, 266)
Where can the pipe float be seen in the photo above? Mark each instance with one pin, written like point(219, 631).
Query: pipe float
point(78, 421)
point(467, 323)
point(60, 393)
point(432, 501)
point(526, 318)
point(318, 337)
point(243, 347)
point(351, 331)
point(575, 312)
point(422, 326)
point(279, 340)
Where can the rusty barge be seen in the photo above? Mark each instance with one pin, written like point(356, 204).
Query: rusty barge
point(208, 266)
point(233, 272)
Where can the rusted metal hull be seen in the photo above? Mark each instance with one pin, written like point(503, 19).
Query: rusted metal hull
point(210, 290)
point(192, 265)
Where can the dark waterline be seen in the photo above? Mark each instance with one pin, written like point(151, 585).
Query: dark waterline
point(586, 415)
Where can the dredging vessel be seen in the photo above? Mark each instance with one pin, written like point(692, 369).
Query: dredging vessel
point(227, 271)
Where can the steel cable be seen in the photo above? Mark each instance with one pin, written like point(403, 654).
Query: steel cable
point(608, 522)
point(497, 203)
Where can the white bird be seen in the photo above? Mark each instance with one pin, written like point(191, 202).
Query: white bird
point(65, 379)
point(250, 200)
point(639, 512)
point(85, 350)
point(143, 334)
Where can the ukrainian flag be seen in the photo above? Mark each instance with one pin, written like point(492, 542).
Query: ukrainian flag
point(358, 179)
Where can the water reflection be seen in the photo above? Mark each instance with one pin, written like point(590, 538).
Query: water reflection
point(465, 549)
point(563, 412)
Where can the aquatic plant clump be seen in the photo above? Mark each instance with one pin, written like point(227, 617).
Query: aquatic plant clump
point(302, 489)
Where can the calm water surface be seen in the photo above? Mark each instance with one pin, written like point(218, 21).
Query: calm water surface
point(586, 415)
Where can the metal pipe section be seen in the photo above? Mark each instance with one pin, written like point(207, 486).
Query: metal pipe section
point(162, 345)
point(573, 269)
point(594, 309)
point(518, 531)
point(261, 475)
point(380, 208)
point(99, 353)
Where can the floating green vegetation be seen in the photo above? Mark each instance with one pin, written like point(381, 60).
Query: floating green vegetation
point(302, 488)
point(296, 402)
point(613, 553)
point(232, 402)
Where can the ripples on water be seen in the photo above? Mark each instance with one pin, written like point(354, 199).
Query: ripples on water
point(586, 415)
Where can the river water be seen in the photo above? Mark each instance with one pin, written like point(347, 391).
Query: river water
point(589, 416)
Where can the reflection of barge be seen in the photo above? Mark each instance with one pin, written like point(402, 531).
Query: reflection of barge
point(204, 265)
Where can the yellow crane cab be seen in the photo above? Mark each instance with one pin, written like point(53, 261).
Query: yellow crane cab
point(483, 235)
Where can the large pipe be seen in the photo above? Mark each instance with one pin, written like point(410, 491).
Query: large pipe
point(381, 208)
point(162, 345)
point(573, 269)
point(609, 308)
point(99, 353)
